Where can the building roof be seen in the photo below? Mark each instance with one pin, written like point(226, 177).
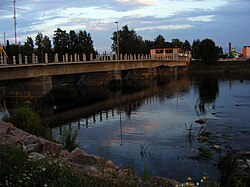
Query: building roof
point(164, 45)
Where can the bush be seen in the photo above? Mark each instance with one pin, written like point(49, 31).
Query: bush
point(25, 118)
point(68, 139)
point(17, 169)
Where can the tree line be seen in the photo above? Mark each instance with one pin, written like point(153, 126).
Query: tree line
point(129, 43)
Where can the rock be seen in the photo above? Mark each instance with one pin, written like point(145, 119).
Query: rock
point(202, 138)
point(80, 157)
point(247, 153)
point(7, 139)
point(110, 164)
point(36, 147)
point(216, 147)
point(248, 163)
point(201, 120)
point(5, 128)
point(64, 153)
point(50, 147)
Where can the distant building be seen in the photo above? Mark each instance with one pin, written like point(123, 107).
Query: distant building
point(246, 52)
point(170, 51)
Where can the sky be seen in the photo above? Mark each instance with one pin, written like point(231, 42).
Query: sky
point(223, 21)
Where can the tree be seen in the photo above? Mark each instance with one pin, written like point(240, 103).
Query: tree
point(129, 42)
point(28, 47)
point(46, 45)
point(85, 44)
point(73, 42)
point(148, 45)
point(209, 52)
point(38, 42)
point(196, 49)
point(187, 45)
point(159, 40)
point(177, 43)
point(60, 41)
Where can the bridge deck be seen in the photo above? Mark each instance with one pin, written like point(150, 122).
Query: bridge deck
point(19, 71)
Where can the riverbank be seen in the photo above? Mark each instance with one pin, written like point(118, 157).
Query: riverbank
point(93, 169)
point(242, 67)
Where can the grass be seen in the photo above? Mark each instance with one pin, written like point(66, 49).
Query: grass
point(68, 139)
point(25, 118)
point(19, 169)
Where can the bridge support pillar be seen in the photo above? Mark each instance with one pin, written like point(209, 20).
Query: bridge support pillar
point(29, 88)
point(99, 78)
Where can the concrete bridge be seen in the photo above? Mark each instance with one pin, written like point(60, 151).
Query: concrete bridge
point(33, 77)
point(20, 69)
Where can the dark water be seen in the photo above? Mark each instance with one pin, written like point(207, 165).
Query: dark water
point(147, 126)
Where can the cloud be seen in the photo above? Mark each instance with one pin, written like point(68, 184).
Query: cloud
point(223, 20)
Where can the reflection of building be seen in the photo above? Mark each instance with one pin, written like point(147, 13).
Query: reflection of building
point(170, 51)
point(246, 52)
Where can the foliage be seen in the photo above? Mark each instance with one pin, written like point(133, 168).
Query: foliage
point(17, 169)
point(73, 42)
point(159, 40)
point(230, 173)
point(25, 118)
point(147, 173)
point(68, 139)
point(129, 41)
point(205, 50)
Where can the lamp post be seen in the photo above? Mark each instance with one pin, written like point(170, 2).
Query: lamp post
point(117, 41)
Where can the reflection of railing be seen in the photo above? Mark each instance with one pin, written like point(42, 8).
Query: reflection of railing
point(129, 103)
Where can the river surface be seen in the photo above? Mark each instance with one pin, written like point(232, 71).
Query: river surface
point(151, 125)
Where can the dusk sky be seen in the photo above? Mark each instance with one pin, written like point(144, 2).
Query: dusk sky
point(223, 21)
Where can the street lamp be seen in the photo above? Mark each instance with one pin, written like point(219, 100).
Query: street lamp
point(117, 41)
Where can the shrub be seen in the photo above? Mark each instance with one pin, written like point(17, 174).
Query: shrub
point(68, 139)
point(25, 118)
point(17, 169)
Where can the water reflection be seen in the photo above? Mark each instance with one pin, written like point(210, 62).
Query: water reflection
point(144, 123)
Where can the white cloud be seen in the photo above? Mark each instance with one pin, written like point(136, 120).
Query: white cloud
point(139, 2)
point(207, 18)
point(166, 27)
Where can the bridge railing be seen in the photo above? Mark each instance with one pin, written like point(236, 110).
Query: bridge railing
point(67, 58)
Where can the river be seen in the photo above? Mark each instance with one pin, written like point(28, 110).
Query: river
point(151, 125)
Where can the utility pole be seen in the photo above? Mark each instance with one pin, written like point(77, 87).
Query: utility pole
point(14, 3)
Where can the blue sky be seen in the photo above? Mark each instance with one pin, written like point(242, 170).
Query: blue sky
point(223, 21)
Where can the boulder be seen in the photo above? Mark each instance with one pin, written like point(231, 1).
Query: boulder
point(50, 147)
point(5, 128)
point(80, 157)
point(6, 139)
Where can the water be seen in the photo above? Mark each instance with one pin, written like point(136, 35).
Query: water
point(147, 126)
point(151, 132)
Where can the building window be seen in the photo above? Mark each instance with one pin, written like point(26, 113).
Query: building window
point(169, 51)
point(159, 51)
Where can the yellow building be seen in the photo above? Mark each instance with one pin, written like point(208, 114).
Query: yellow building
point(169, 51)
